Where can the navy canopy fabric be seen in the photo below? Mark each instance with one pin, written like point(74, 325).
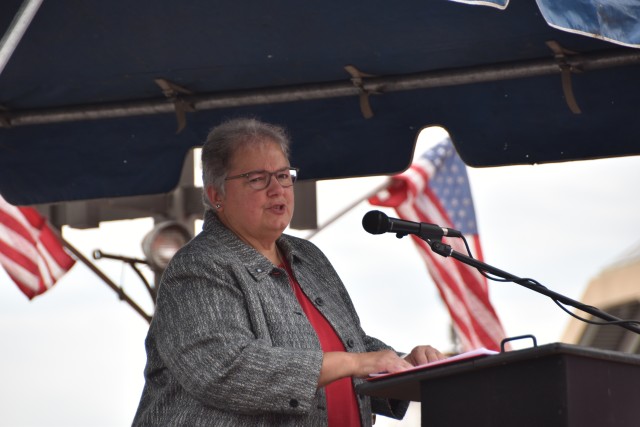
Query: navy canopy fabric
point(79, 56)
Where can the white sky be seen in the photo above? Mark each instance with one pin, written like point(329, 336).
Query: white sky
point(75, 355)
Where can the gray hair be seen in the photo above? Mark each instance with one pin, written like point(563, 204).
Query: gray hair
point(225, 139)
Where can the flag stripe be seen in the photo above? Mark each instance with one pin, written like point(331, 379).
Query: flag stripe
point(13, 220)
point(19, 274)
point(54, 254)
point(18, 258)
point(30, 251)
point(464, 275)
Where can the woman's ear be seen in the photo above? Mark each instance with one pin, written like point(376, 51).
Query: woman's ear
point(214, 196)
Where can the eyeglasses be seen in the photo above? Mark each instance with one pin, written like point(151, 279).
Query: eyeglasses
point(259, 180)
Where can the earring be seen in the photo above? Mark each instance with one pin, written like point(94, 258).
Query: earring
point(218, 205)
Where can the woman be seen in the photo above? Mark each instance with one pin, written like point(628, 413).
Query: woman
point(253, 327)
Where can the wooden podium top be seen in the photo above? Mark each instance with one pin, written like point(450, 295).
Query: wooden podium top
point(406, 386)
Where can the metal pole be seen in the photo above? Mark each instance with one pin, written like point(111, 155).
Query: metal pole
point(315, 91)
point(16, 30)
point(103, 276)
point(349, 208)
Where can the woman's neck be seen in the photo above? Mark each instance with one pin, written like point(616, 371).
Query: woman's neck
point(267, 248)
point(272, 255)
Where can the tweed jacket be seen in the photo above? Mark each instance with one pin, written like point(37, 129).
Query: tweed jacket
point(229, 344)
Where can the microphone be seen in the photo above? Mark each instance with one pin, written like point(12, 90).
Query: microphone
point(376, 222)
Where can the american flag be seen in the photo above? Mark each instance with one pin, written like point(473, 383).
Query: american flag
point(30, 251)
point(435, 189)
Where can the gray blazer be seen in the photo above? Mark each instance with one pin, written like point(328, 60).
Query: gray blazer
point(229, 344)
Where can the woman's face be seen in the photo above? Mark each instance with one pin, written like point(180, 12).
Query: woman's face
point(257, 216)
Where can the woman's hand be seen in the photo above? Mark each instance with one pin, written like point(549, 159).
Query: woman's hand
point(423, 354)
point(379, 361)
point(336, 365)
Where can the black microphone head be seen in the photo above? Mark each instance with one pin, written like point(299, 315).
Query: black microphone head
point(375, 222)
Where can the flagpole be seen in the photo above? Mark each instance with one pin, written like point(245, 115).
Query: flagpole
point(117, 289)
point(349, 208)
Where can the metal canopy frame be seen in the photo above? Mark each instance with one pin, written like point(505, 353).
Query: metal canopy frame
point(356, 87)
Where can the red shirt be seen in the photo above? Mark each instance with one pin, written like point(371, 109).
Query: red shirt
point(342, 407)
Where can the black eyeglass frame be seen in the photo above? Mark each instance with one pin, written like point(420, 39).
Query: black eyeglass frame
point(293, 172)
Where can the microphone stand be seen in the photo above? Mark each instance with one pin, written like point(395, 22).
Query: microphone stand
point(447, 251)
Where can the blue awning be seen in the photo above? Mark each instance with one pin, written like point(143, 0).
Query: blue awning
point(104, 99)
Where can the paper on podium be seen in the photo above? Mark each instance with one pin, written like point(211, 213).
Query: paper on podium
point(473, 354)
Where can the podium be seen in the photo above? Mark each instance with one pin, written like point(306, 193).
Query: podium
point(553, 385)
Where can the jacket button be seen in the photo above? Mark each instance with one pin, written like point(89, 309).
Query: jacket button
point(350, 343)
point(258, 270)
point(294, 403)
point(319, 302)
